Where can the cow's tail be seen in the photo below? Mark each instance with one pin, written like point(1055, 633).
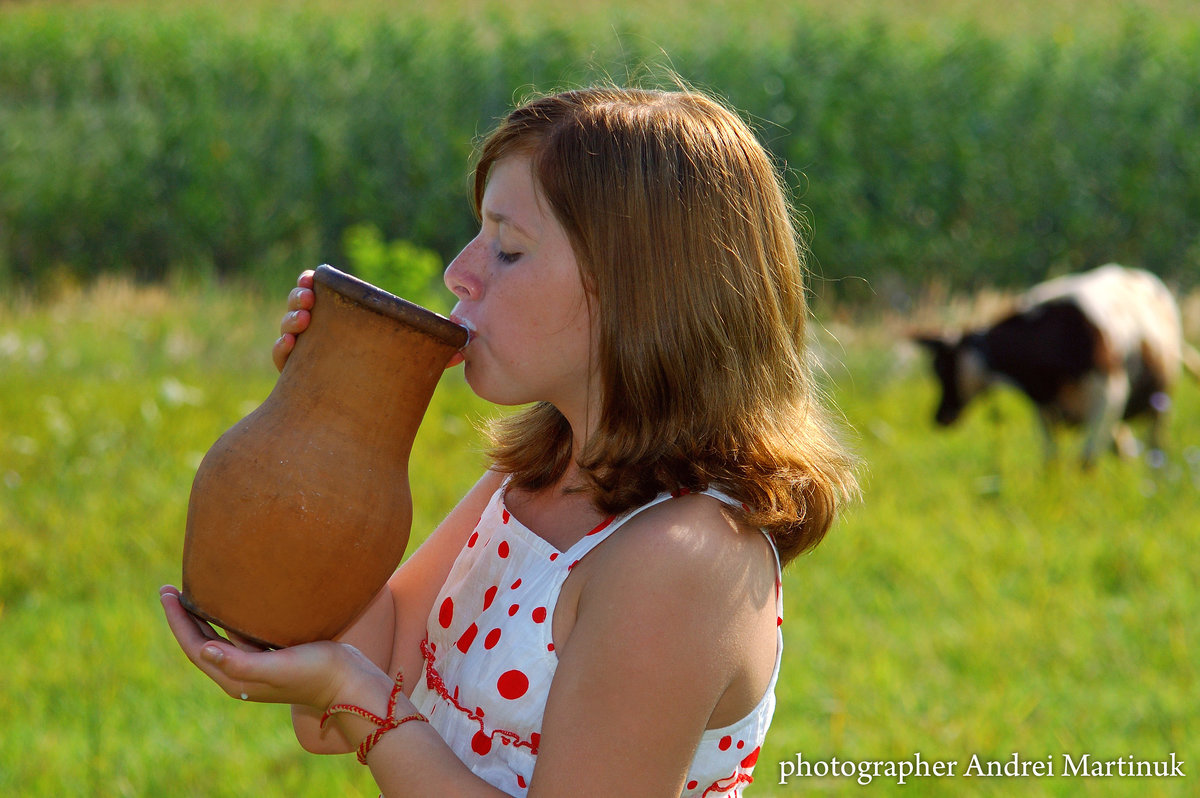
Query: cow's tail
point(1191, 361)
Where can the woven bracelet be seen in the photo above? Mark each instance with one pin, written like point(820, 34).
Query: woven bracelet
point(383, 725)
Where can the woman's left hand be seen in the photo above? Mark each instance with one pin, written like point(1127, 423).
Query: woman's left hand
point(312, 674)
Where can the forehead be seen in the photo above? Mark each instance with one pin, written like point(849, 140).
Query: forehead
point(512, 194)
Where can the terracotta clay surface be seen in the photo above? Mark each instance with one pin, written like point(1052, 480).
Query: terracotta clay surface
point(301, 511)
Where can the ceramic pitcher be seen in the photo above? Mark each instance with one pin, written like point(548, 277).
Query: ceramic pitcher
point(301, 511)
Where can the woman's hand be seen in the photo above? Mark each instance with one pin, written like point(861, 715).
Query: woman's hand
point(295, 321)
point(313, 675)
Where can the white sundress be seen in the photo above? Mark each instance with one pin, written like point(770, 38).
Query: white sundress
point(489, 658)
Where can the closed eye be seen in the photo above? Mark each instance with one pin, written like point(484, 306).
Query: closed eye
point(507, 257)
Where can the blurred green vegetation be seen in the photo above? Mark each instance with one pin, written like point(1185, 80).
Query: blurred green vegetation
point(974, 146)
point(400, 267)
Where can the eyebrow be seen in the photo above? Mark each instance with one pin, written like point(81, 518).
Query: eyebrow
point(500, 218)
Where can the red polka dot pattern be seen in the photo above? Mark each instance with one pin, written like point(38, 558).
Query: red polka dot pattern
point(512, 684)
point(468, 637)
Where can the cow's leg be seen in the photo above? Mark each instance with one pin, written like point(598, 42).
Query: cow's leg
point(1125, 441)
point(1106, 396)
point(1049, 419)
point(1160, 409)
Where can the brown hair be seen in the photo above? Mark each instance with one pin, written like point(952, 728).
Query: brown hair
point(687, 247)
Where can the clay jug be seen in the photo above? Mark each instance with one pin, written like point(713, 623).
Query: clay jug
point(301, 511)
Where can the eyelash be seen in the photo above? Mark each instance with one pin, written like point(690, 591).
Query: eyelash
point(507, 257)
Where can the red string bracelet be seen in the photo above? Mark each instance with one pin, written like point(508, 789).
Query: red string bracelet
point(384, 725)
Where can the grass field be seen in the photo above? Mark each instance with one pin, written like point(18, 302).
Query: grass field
point(976, 602)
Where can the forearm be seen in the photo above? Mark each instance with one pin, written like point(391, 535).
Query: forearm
point(391, 630)
point(372, 634)
point(306, 723)
point(410, 759)
point(413, 760)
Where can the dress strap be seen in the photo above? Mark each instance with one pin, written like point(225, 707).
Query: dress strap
point(716, 494)
point(611, 524)
point(605, 528)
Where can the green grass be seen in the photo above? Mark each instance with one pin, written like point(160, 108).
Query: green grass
point(974, 602)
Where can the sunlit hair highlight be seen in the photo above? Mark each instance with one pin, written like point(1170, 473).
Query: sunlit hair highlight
point(688, 250)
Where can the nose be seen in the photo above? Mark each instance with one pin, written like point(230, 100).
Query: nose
point(464, 275)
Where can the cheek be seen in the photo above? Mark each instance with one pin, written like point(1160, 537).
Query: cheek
point(549, 309)
point(586, 346)
point(576, 324)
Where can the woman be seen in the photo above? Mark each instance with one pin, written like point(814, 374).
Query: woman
point(601, 613)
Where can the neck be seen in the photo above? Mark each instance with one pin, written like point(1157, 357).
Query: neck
point(571, 481)
point(583, 422)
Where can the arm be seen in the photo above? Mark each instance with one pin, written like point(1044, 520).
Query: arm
point(410, 760)
point(317, 675)
point(356, 668)
point(390, 630)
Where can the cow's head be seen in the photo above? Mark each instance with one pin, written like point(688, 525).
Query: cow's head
point(961, 369)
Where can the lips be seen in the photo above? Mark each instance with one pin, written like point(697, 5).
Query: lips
point(459, 357)
point(469, 326)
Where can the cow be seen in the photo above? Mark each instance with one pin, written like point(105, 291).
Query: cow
point(1090, 349)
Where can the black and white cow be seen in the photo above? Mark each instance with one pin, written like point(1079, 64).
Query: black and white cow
point(1090, 349)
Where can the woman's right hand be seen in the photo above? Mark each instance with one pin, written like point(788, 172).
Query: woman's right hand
point(295, 321)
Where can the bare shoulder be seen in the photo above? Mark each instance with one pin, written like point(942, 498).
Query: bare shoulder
point(698, 534)
point(691, 552)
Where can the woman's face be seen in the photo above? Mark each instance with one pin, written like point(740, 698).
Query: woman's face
point(521, 294)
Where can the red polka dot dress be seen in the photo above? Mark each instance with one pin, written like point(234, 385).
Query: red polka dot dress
point(489, 659)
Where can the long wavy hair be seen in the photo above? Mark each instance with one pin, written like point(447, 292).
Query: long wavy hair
point(694, 270)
